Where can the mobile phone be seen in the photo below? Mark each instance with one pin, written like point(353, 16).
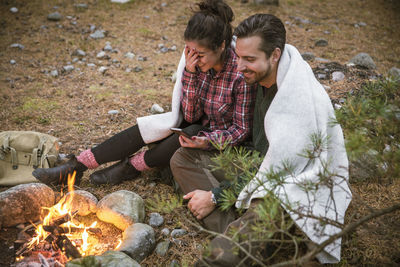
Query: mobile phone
point(180, 132)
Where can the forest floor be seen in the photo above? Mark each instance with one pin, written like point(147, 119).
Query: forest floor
point(74, 106)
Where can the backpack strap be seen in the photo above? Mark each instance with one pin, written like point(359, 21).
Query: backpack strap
point(7, 149)
point(37, 153)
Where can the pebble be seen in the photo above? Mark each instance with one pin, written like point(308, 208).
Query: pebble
point(102, 69)
point(164, 4)
point(162, 248)
point(137, 69)
point(68, 68)
point(165, 231)
point(173, 77)
point(14, 10)
point(337, 76)
point(323, 60)
point(81, 6)
point(337, 106)
point(101, 55)
point(79, 53)
point(75, 59)
point(395, 73)
point(20, 46)
point(156, 109)
point(308, 56)
point(12, 62)
point(178, 232)
point(156, 219)
point(54, 73)
point(363, 60)
point(54, 16)
point(98, 34)
point(128, 70)
point(115, 61)
point(107, 47)
point(146, 17)
point(92, 27)
point(160, 46)
point(321, 76)
point(113, 112)
point(164, 50)
point(173, 48)
point(321, 42)
point(91, 65)
point(130, 55)
point(140, 58)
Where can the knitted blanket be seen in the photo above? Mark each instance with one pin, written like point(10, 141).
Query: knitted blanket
point(301, 108)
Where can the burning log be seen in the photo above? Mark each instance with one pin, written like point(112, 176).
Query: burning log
point(63, 219)
point(67, 230)
point(66, 245)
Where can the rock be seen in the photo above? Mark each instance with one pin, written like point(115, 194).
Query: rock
point(128, 70)
point(156, 109)
point(363, 60)
point(120, 1)
point(266, 2)
point(102, 55)
point(129, 55)
point(23, 203)
point(178, 232)
point(164, 49)
point(121, 208)
point(98, 34)
point(146, 17)
point(14, 10)
point(156, 219)
point(394, 73)
point(162, 248)
point(54, 16)
point(113, 112)
point(337, 106)
point(107, 259)
point(68, 68)
point(173, 77)
point(20, 46)
point(108, 47)
point(138, 69)
point(81, 6)
point(337, 76)
point(13, 62)
point(165, 231)
point(82, 201)
point(322, 60)
point(91, 65)
point(79, 53)
point(308, 56)
point(321, 42)
point(102, 69)
point(138, 241)
point(321, 76)
point(54, 73)
point(173, 48)
point(75, 59)
point(140, 58)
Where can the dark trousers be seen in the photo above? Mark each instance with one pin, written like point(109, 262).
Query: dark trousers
point(129, 141)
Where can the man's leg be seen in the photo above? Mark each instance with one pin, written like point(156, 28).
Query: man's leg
point(192, 170)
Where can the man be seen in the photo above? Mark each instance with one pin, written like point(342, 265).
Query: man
point(291, 106)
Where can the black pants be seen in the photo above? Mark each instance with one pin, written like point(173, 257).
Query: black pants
point(129, 141)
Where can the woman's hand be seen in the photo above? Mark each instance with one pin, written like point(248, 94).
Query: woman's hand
point(191, 59)
point(194, 142)
point(200, 203)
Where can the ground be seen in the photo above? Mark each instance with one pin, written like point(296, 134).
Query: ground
point(74, 106)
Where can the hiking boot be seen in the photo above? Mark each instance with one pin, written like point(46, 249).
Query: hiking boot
point(59, 174)
point(115, 174)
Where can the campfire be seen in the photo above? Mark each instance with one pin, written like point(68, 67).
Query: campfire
point(59, 237)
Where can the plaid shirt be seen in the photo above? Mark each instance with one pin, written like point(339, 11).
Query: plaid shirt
point(222, 101)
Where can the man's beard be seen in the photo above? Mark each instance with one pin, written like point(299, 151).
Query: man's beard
point(258, 77)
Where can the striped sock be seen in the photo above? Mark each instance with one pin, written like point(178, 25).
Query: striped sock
point(87, 159)
point(138, 162)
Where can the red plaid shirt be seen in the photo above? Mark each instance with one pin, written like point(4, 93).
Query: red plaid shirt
point(222, 101)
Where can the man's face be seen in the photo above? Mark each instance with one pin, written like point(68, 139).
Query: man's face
point(254, 64)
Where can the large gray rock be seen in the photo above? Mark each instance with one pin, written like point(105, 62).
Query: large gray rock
point(162, 248)
point(121, 208)
point(23, 203)
point(107, 259)
point(138, 241)
point(82, 201)
point(363, 60)
point(155, 219)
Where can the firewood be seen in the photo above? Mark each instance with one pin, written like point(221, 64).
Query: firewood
point(65, 245)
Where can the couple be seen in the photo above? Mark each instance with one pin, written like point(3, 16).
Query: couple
point(218, 89)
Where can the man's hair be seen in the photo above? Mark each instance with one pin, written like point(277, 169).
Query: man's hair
point(268, 27)
point(211, 24)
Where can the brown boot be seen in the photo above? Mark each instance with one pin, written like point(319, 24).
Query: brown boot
point(59, 174)
point(115, 174)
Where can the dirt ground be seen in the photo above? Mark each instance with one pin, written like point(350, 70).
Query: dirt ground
point(74, 105)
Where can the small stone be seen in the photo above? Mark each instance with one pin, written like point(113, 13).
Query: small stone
point(140, 58)
point(91, 65)
point(146, 17)
point(54, 16)
point(137, 69)
point(321, 76)
point(394, 73)
point(321, 42)
point(156, 109)
point(128, 70)
point(327, 32)
point(362, 24)
point(323, 60)
point(160, 46)
point(92, 27)
point(74, 22)
point(12, 62)
point(14, 10)
point(108, 47)
point(79, 53)
point(156, 219)
point(20, 46)
point(178, 232)
point(308, 56)
point(163, 4)
point(173, 77)
point(162, 248)
point(68, 68)
point(102, 69)
point(337, 76)
point(164, 50)
point(337, 106)
point(165, 231)
point(75, 59)
point(120, 1)
point(54, 73)
point(98, 34)
point(363, 60)
point(173, 48)
point(102, 55)
point(115, 61)
point(81, 6)
point(113, 112)
point(129, 55)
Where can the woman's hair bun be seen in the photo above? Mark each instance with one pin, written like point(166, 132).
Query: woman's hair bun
point(217, 8)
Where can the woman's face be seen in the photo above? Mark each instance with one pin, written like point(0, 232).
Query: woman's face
point(207, 58)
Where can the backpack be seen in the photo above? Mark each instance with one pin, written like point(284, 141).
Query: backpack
point(23, 151)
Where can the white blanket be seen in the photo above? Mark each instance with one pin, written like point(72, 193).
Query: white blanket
point(300, 108)
point(156, 127)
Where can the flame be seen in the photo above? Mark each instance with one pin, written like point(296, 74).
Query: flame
point(62, 208)
point(119, 244)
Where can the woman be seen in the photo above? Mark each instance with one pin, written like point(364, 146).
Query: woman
point(214, 99)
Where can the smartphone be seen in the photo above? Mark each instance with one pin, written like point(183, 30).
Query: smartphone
point(180, 132)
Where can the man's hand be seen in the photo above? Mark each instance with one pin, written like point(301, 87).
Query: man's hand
point(200, 203)
point(191, 59)
point(194, 142)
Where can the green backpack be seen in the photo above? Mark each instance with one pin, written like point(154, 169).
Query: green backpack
point(21, 152)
